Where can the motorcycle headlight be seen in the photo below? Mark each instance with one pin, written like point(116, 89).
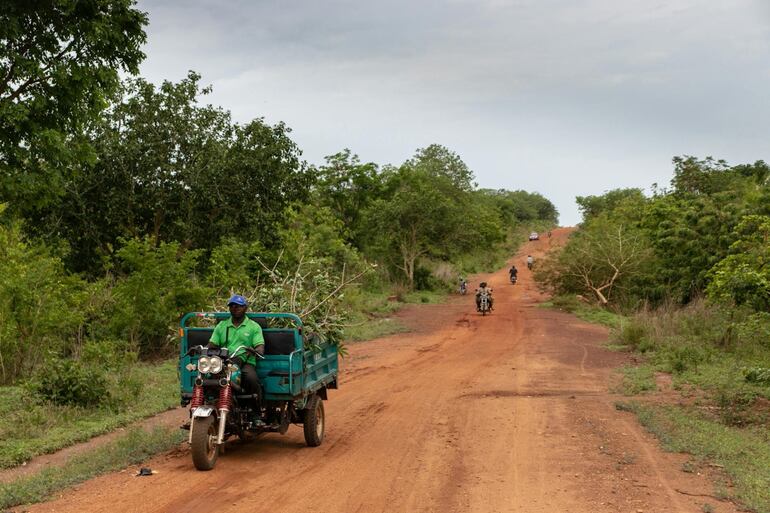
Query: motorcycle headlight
point(215, 364)
point(204, 364)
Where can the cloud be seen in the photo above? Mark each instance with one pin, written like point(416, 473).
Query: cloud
point(561, 96)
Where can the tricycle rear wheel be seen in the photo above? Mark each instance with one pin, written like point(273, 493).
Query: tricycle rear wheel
point(203, 444)
point(314, 422)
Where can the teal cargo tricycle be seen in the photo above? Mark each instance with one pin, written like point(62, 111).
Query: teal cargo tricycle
point(294, 373)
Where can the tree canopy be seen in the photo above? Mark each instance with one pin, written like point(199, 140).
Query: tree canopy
point(704, 235)
point(59, 65)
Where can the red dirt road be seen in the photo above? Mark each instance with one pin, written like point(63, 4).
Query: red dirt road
point(506, 413)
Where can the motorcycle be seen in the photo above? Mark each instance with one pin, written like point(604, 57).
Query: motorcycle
point(220, 408)
point(484, 306)
point(463, 287)
point(513, 279)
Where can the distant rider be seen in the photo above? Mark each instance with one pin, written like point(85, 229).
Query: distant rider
point(513, 272)
point(481, 290)
point(530, 262)
point(463, 285)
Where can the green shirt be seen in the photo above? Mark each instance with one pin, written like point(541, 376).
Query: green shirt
point(248, 333)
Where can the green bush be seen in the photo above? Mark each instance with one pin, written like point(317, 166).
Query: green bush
point(156, 288)
point(734, 404)
point(69, 382)
point(634, 334)
point(681, 358)
point(755, 330)
point(40, 304)
point(757, 375)
point(425, 280)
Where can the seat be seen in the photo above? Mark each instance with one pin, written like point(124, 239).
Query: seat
point(279, 342)
point(198, 337)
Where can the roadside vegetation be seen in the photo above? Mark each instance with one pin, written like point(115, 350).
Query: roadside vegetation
point(134, 447)
point(125, 204)
point(685, 276)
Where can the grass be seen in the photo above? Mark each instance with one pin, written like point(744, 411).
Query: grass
point(587, 312)
point(638, 379)
point(371, 315)
point(371, 328)
point(718, 358)
point(702, 346)
point(743, 453)
point(133, 447)
point(30, 427)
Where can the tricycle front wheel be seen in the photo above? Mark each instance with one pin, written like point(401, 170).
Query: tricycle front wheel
point(203, 444)
point(314, 422)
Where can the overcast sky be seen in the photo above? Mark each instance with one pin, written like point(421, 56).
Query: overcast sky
point(560, 97)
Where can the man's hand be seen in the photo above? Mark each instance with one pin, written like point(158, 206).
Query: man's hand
point(257, 350)
point(237, 361)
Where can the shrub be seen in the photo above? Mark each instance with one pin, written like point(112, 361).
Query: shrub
point(734, 404)
point(40, 304)
point(425, 279)
point(755, 330)
point(69, 382)
point(157, 287)
point(634, 334)
point(684, 357)
point(759, 375)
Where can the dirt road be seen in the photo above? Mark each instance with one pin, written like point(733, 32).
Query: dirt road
point(506, 413)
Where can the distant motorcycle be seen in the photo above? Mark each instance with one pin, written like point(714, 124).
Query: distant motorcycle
point(513, 279)
point(463, 287)
point(484, 307)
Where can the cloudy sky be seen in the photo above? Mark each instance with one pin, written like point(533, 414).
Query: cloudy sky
point(561, 97)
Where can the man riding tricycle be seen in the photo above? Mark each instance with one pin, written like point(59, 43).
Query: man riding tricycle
point(255, 374)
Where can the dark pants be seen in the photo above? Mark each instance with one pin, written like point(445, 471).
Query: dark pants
point(249, 380)
point(478, 302)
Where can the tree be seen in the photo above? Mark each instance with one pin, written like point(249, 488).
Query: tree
point(415, 220)
point(522, 206)
point(437, 160)
point(348, 187)
point(602, 257)
point(59, 63)
point(592, 206)
point(693, 176)
point(175, 170)
point(40, 304)
point(156, 285)
point(692, 227)
point(743, 276)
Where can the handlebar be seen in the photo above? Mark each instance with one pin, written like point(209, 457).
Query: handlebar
point(249, 350)
point(201, 348)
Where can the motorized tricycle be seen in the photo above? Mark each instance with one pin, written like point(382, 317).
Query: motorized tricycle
point(294, 374)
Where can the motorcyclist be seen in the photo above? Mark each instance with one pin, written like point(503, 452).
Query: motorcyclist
point(238, 331)
point(483, 289)
point(530, 261)
point(513, 272)
point(463, 285)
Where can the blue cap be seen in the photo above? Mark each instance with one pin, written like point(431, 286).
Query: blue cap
point(237, 299)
